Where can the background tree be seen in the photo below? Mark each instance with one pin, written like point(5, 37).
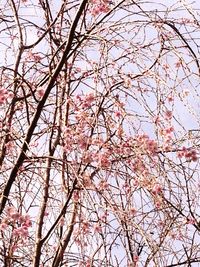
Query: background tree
point(99, 117)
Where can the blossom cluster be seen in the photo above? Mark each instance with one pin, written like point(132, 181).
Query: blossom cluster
point(33, 57)
point(20, 223)
point(148, 145)
point(99, 6)
point(188, 153)
point(4, 94)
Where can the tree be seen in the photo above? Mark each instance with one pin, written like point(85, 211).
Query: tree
point(99, 117)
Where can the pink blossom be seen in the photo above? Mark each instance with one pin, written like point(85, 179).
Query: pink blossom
point(103, 160)
point(170, 98)
point(168, 114)
point(100, 6)
point(34, 56)
point(46, 213)
point(62, 221)
point(190, 220)
point(3, 96)
point(3, 226)
point(15, 216)
point(88, 100)
point(40, 92)
point(132, 211)
point(157, 189)
point(85, 227)
point(118, 114)
point(76, 196)
point(189, 154)
point(97, 228)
